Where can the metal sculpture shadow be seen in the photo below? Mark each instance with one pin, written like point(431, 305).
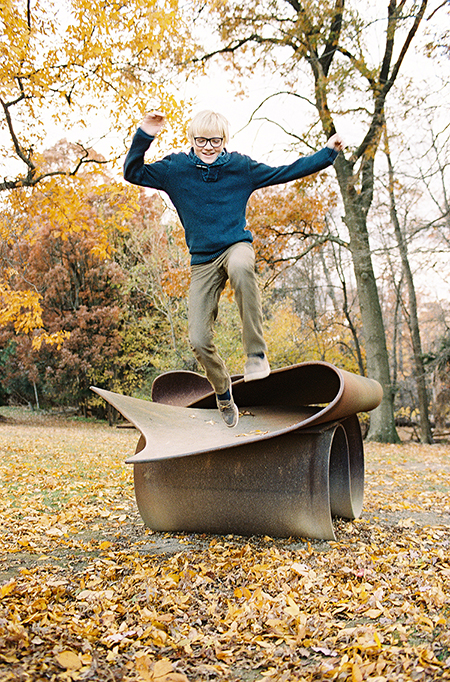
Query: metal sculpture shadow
point(294, 461)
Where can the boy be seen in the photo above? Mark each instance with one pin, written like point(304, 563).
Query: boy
point(210, 188)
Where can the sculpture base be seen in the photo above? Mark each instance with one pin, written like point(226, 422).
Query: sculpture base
point(293, 486)
point(295, 460)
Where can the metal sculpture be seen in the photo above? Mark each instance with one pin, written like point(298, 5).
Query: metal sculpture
point(294, 461)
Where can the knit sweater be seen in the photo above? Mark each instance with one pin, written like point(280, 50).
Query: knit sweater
point(211, 199)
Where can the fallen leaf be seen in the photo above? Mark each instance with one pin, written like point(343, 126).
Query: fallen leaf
point(69, 660)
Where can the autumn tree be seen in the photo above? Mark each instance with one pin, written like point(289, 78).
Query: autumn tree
point(411, 309)
point(79, 293)
point(63, 238)
point(410, 215)
point(78, 67)
point(77, 64)
point(307, 309)
point(155, 256)
point(330, 39)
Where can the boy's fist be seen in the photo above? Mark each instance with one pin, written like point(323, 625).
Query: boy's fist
point(153, 122)
point(336, 142)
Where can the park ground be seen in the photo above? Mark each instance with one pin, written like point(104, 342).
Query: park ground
point(88, 593)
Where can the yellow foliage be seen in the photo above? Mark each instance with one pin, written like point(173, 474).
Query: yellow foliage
point(22, 308)
point(293, 340)
point(57, 338)
point(89, 203)
point(83, 62)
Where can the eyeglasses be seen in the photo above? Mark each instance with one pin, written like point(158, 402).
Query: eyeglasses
point(202, 141)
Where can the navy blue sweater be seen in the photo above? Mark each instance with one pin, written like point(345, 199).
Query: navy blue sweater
point(211, 199)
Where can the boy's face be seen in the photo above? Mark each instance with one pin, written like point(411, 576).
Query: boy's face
point(208, 148)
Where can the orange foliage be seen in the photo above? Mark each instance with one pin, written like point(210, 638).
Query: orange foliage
point(90, 205)
point(282, 219)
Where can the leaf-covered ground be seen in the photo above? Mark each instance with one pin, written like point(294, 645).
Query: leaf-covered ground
point(86, 593)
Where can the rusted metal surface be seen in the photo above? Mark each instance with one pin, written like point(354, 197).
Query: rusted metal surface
point(182, 388)
point(294, 461)
point(336, 392)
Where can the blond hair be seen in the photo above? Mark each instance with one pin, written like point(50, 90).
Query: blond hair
point(208, 124)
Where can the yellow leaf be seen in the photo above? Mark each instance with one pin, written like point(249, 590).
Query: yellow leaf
point(356, 673)
point(105, 544)
point(423, 620)
point(143, 664)
point(162, 667)
point(292, 611)
point(7, 588)
point(373, 613)
point(163, 672)
point(69, 660)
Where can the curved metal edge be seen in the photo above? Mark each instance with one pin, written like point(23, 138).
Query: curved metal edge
point(351, 392)
point(347, 470)
point(182, 387)
point(179, 387)
point(144, 414)
point(345, 392)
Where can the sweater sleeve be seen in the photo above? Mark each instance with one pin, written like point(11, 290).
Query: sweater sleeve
point(264, 176)
point(139, 173)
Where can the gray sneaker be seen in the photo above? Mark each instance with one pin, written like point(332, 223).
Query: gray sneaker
point(256, 368)
point(228, 411)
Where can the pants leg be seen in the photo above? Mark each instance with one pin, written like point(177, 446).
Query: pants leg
point(207, 283)
point(240, 266)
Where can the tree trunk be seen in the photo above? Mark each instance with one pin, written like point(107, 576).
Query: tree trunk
point(412, 315)
point(36, 397)
point(382, 425)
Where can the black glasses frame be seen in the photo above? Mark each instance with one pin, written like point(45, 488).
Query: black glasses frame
point(215, 141)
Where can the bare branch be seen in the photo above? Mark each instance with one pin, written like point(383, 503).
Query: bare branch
point(230, 48)
point(27, 181)
point(386, 81)
point(317, 240)
point(253, 116)
point(26, 158)
point(445, 2)
point(407, 43)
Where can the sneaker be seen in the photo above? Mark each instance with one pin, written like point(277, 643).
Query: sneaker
point(256, 367)
point(228, 410)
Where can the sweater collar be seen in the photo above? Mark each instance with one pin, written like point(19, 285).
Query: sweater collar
point(210, 171)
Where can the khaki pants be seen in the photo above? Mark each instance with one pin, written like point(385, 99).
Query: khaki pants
point(208, 281)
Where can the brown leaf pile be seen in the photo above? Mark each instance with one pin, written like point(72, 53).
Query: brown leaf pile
point(86, 593)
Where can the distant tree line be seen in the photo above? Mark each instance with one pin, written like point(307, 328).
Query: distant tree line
point(93, 274)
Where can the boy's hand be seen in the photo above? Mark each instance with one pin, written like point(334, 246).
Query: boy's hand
point(336, 142)
point(152, 123)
